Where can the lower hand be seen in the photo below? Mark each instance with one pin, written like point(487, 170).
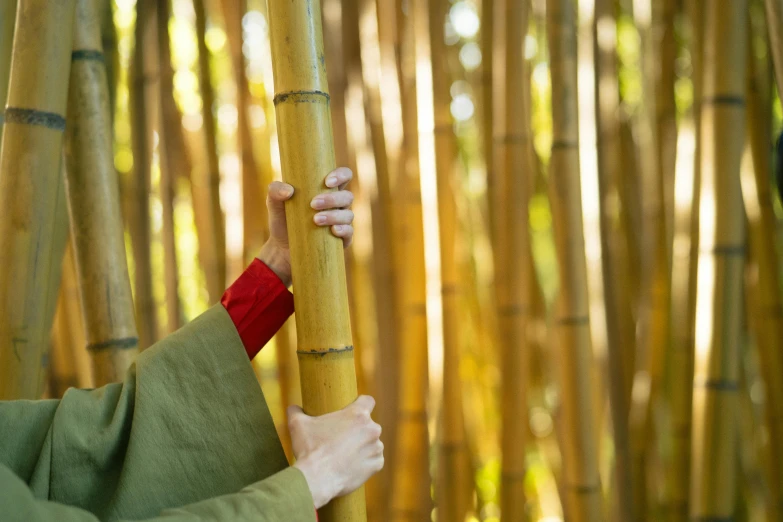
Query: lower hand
point(331, 210)
point(336, 452)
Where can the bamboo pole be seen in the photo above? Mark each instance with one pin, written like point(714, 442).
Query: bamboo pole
point(94, 203)
point(410, 484)
point(452, 485)
point(29, 171)
point(581, 481)
point(511, 195)
point(72, 308)
point(774, 10)
point(486, 106)
point(142, 160)
point(721, 261)
point(7, 22)
point(620, 326)
point(111, 53)
point(767, 295)
point(302, 104)
point(212, 243)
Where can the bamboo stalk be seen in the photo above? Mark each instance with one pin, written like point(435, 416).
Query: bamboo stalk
point(581, 481)
point(302, 104)
point(142, 153)
point(721, 261)
point(72, 309)
point(111, 53)
point(93, 196)
point(410, 484)
point(510, 196)
point(486, 106)
point(29, 171)
point(774, 10)
point(62, 368)
point(452, 484)
point(7, 22)
point(212, 242)
point(620, 326)
point(767, 296)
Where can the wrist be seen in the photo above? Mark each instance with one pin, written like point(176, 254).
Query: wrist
point(277, 261)
point(318, 483)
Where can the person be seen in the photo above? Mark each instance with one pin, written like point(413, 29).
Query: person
point(188, 436)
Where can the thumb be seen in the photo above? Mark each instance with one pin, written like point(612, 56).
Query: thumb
point(279, 193)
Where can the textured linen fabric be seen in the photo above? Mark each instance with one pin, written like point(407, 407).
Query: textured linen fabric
point(186, 437)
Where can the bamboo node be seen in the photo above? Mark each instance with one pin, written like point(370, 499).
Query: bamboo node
point(283, 96)
point(716, 384)
point(723, 100)
point(725, 250)
point(584, 489)
point(87, 55)
point(321, 353)
point(122, 343)
point(574, 320)
point(50, 120)
point(564, 144)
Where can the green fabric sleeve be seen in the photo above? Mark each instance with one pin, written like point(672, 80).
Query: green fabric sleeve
point(189, 423)
point(275, 499)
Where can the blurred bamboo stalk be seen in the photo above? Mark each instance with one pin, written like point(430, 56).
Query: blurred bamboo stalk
point(140, 229)
point(767, 295)
point(206, 184)
point(111, 53)
point(94, 203)
point(488, 41)
point(774, 10)
point(30, 161)
point(581, 481)
point(453, 487)
point(620, 325)
point(410, 486)
point(511, 244)
point(721, 262)
point(7, 22)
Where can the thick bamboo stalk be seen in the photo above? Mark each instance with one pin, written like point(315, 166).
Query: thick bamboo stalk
point(453, 486)
point(410, 488)
point(721, 261)
point(29, 171)
point(302, 104)
point(767, 295)
point(212, 243)
point(511, 186)
point(142, 160)
point(7, 22)
point(620, 326)
point(581, 481)
point(93, 196)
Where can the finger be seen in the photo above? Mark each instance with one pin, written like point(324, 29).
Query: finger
point(279, 191)
point(376, 464)
point(341, 199)
point(342, 216)
point(294, 411)
point(377, 449)
point(364, 403)
point(339, 177)
point(345, 232)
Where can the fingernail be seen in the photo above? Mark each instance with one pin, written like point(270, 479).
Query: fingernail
point(286, 191)
point(317, 202)
point(331, 181)
point(338, 229)
point(320, 219)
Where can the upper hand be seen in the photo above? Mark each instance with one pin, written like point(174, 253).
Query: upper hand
point(330, 209)
point(336, 452)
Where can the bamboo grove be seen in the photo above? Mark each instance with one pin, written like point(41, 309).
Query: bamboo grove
point(564, 289)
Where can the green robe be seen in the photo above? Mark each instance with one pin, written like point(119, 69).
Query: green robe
point(187, 437)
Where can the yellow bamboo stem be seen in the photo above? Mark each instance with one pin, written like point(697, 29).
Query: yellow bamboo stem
point(620, 326)
point(774, 9)
point(62, 367)
point(93, 195)
point(302, 104)
point(7, 22)
point(110, 51)
point(410, 487)
point(287, 379)
point(581, 481)
point(486, 106)
point(30, 161)
point(212, 242)
point(72, 308)
point(721, 261)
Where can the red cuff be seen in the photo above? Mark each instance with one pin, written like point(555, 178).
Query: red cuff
point(258, 304)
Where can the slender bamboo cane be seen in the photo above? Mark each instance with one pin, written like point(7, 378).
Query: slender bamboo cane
point(511, 194)
point(73, 310)
point(302, 105)
point(94, 203)
point(410, 491)
point(62, 367)
point(287, 378)
point(7, 22)
point(774, 10)
point(213, 249)
point(110, 51)
point(581, 481)
point(486, 106)
point(452, 484)
point(768, 298)
point(142, 159)
point(619, 320)
point(721, 260)
point(29, 172)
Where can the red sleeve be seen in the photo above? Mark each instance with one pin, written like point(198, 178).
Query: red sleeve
point(258, 303)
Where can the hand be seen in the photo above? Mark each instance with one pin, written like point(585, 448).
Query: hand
point(336, 452)
point(332, 210)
